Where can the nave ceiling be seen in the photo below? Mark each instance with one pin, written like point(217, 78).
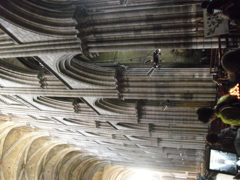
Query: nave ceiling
point(65, 116)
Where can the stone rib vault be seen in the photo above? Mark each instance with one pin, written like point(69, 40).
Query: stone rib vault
point(65, 117)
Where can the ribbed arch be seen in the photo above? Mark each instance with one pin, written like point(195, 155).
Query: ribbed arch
point(53, 103)
point(76, 170)
point(66, 167)
point(33, 173)
point(54, 5)
point(21, 14)
point(3, 138)
point(27, 72)
point(40, 165)
point(117, 106)
point(12, 146)
point(31, 63)
point(55, 161)
point(184, 84)
point(18, 74)
point(23, 158)
point(87, 72)
point(64, 104)
point(95, 166)
point(84, 167)
point(40, 16)
point(28, 153)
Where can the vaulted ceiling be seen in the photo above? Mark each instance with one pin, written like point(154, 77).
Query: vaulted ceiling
point(63, 116)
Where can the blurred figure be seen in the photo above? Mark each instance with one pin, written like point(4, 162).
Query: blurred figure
point(225, 139)
point(230, 62)
point(156, 61)
point(227, 108)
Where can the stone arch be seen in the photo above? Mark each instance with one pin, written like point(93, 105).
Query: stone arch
point(46, 20)
point(23, 157)
point(87, 73)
